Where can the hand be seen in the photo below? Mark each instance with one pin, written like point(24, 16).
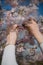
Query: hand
point(34, 29)
point(12, 37)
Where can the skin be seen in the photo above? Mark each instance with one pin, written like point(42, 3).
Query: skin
point(12, 37)
point(34, 29)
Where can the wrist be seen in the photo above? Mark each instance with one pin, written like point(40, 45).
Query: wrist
point(37, 33)
point(9, 44)
point(39, 37)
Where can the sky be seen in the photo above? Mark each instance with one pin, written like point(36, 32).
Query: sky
point(8, 7)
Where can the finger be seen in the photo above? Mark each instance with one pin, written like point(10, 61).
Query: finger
point(27, 24)
point(33, 21)
point(16, 31)
point(15, 26)
point(32, 18)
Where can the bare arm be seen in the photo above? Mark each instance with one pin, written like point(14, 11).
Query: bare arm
point(9, 57)
point(34, 29)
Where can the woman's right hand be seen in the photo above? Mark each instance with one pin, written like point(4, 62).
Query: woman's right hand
point(12, 36)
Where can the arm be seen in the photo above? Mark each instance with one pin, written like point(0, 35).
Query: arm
point(34, 29)
point(9, 57)
point(39, 38)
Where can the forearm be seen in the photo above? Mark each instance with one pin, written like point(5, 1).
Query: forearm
point(39, 37)
point(9, 56)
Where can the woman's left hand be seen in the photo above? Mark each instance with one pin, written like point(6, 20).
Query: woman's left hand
point(34, 29)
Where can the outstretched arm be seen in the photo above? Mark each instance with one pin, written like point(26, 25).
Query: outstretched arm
point(34, 29)
point(9, 57)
